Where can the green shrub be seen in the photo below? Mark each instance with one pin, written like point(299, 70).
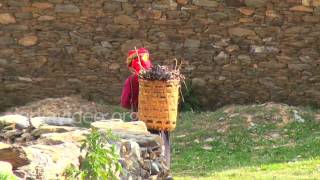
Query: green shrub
point(101, 160)
point(7, 176)
point(189, 100)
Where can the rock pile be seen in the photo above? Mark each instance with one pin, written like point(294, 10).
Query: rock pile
point(45, 150)
point(60, 107)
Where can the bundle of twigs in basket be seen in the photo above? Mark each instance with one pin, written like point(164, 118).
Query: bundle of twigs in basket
point(161, 73)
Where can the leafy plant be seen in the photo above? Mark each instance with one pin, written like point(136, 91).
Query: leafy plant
point(6, 176)
point(189, 100)
point(101, 160)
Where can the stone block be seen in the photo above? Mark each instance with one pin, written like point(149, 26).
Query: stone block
point(206, 3)
point(301, 9)
point(16, 156)
point(42, 5)
point(246, 11)
point(255, 3)
point(67, 8)
point(241, 32)
point(125, 20)
point(192, 43)
point(46, 18)
point(6, 18)
point(18, 3)
point(28, 41)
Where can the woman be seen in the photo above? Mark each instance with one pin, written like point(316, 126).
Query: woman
point(136, 61)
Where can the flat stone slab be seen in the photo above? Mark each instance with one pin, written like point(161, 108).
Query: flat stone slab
point(144, 140)
point(17, 120)
point(134, 127)
point(135, 131)
point(58, 138)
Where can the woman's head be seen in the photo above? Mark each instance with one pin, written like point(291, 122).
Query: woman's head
point(139, 59)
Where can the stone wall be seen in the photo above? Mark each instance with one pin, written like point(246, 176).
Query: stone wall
point(45, 147)
point(235, 51)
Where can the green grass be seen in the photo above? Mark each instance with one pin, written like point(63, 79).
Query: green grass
point(248, 142)
point(308, 169)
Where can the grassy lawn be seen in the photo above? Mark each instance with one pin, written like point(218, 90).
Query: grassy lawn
point(269, 141)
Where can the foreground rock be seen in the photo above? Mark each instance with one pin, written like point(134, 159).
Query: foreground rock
point(17, 121)
point(15, 155)
point(49, 161)
point(46, 129)
point(56, 121)
point(46, 147)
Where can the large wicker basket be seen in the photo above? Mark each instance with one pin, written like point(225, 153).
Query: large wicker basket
point(158, 103)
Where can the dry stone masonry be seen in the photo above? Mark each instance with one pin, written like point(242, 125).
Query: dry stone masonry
point(44, 147)
point(234, 51)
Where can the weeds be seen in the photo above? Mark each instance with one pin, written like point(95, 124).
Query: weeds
point(190, 101)
point(7, 176)
point(101, 160)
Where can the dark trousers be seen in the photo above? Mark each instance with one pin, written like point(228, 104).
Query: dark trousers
point(165, 136)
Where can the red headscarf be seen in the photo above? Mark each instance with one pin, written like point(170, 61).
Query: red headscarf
point(133, 60)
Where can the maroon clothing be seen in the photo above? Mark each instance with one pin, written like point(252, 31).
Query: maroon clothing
point(130, 93)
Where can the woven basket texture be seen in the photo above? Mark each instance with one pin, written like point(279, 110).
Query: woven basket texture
point(158, 103)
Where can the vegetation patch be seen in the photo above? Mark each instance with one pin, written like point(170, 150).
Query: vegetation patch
point(253, 141)
point(101, 160)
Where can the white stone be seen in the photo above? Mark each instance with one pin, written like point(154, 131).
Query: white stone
point(207, 147)
point(55, 121)
point(18, 120)
point(106, 44)
point(209, 140)
point(26, 79)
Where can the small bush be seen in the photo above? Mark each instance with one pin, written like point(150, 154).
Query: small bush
point(101, 160)
point(7, 176)
point(189, 100)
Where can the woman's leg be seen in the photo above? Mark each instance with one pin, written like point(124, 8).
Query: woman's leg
point(165, 136)
point(167, 148)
